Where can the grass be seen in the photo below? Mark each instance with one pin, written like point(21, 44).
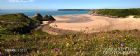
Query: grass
point(78, 44)
point(16, 23)
point(38, 43)
point(117, 12)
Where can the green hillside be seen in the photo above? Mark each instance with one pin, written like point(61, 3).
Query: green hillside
point(16, 23)
point(38, 43)
point(116, 12)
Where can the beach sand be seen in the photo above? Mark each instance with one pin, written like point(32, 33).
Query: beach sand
point(89, 24)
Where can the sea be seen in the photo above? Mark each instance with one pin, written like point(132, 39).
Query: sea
point(43, 12)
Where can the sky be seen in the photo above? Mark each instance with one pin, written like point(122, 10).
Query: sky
point(68, 4)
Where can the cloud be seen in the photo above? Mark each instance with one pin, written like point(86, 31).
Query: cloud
point(21, 0)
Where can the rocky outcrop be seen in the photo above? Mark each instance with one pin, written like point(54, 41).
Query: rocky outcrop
point(38, 17)
point(51, 18)
point(48, 18)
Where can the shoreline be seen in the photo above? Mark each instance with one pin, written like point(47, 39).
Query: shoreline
point(31, 13)
point(80, 23)
point(70, 15)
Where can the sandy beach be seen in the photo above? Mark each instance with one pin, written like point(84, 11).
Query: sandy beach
point(88, 24)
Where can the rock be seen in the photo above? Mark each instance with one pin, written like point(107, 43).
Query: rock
point(46, 18)
point(51, 18)
point(38, 17)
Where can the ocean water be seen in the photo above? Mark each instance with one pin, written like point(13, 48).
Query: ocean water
point(43, 12)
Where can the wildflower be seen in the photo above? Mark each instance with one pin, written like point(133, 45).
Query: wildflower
point(56, 49)
point(125, 39)
point(122, 44)
point(67, 44)
point(0, 53)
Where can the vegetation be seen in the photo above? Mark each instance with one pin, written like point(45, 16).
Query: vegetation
point(16, 23)
point(38, 43)
point(20, 23)
point(116, 12)
point(79, 44)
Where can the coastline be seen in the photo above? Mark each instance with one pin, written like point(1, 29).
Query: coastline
point(43, 12)
point(70, 15)
point(88, 24)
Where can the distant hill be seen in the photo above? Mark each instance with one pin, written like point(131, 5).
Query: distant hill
point(74, 9)
point(117, 12)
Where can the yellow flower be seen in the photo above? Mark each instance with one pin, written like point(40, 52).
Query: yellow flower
point(67, 44)
point(124, 39)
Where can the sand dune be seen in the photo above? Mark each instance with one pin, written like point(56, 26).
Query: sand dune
point(88, 24)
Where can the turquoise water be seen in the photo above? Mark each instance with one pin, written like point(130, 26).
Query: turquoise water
point(43, 12)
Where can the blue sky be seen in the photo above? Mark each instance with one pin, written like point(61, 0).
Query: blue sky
point(68, 4)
